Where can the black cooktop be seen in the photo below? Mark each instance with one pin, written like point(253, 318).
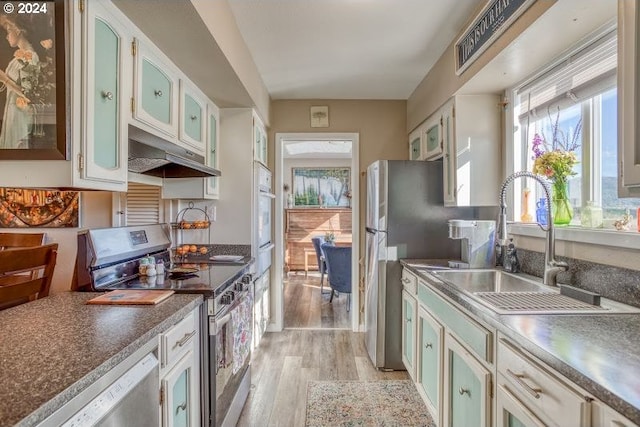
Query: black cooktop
point(209, 279)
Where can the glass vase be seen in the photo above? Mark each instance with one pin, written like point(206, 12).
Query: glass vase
point(561, 209)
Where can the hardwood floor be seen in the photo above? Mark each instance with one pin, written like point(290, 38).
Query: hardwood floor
point(304, 307)
point(318, 345)
point(286, 361)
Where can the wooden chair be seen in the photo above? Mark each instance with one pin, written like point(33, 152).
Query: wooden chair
point(26, 273)
point(21, 240)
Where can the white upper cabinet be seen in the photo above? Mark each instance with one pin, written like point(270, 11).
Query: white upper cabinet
point(628, 49)
point(472, 150)
point(259, 140)
point(107, 67)
point(193, 117)
point(155, 90)
point(415, 144)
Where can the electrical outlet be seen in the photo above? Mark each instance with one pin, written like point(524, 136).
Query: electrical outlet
point(213, 213)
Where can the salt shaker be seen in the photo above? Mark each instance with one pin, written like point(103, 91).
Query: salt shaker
point(151, 270)
point(160, 267)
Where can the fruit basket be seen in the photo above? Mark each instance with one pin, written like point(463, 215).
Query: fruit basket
point(190, 218)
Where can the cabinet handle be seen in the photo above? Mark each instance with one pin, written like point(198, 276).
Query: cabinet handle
point(518, 378)
point(107, 95)
point(408, 320)
point(183, 407)
point(184, 339)
point(428, 345)
point(462, 391)
point(193, 117)
point(405, 280)
point(157, 93)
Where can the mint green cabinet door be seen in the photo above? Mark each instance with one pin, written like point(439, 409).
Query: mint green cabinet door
point(466, 388)
point(180, 391)
point(157, 92)
point(408, 332)
point(192, 118)
point(511, 412)
point(106, 96)
point(180, 387)
point(430, 334)
point(414, 150)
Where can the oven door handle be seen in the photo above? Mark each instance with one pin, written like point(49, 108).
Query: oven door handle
point(215, 325)
point(267, 247)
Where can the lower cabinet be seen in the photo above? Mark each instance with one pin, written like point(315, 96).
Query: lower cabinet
point(409, 312)
point(180, 373)
point(429, 362)
point(467, 395)
point(180, 394)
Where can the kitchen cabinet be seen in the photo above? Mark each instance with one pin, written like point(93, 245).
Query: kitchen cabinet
point(193, 117)
point(155, 100)
point(534, 395)
point(260, 140)
point(628, 98)
point(429, 362)
point(200, 188)
point(603, 416)
point(261, 307)
point(180, 373)
point(409, 312)
point(467, 393)
point(415, 144)
point(472, 150)
point(99, 36)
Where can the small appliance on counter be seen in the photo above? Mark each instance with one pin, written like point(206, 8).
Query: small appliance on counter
point(110, 259)
point(478, 240)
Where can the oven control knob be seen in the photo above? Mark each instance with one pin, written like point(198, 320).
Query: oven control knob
point(246, 279)
point(238, 287)
point(227, 298)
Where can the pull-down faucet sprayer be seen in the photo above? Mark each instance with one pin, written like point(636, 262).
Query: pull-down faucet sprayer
point(551, 266)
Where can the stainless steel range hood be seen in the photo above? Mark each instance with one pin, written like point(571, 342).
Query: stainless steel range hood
point(151, 155)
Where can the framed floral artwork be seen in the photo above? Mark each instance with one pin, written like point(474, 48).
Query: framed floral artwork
point(39, 208)
point(321, 187)
point(33, 119)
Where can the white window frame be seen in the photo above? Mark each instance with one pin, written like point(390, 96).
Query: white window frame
point(591, 189)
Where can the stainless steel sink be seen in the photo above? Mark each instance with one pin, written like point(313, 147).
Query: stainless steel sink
point(492, 281)
point(507, 293)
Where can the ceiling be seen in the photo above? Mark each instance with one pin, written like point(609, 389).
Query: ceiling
point(348, 49)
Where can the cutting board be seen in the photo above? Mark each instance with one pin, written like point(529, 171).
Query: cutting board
point(131, 297)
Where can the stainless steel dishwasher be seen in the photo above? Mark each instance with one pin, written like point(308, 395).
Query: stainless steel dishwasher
point(128, 395)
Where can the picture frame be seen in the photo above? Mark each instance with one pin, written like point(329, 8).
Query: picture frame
point(319, 116)
point(315, 187)
point(33, 104)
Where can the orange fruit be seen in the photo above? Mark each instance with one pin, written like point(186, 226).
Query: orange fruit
point(203, 250)
point(193, 248)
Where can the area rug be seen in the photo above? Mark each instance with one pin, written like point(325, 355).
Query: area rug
point(365, 403)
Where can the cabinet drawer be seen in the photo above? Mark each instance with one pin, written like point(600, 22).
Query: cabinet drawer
point(179, 339)
point(409, 281)
point(538, 390)
point(477, 338)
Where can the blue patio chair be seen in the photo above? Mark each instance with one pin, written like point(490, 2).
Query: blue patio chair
point(338, 259)
point(322, 265)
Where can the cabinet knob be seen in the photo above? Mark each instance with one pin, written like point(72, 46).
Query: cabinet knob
point(157, 93)
point(107, 95)
point(463, 391)
point(428, 345)
point(194, 117)
point(408, 320)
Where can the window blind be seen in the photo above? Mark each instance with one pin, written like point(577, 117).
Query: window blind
point(143, 204)
point(578, 76)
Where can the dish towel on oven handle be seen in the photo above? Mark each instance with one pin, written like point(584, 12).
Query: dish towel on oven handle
point(241, 327)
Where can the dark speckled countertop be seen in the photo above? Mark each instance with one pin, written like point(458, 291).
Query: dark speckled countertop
point(55, 347)
point(600, 353)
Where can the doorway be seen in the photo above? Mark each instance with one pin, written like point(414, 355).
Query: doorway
point(316, 187)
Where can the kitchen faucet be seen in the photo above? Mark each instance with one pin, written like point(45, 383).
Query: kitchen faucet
point(551, 266)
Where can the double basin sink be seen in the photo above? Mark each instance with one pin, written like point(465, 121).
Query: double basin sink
point(508, 293)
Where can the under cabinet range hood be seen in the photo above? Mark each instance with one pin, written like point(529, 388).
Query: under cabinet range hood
point(151, 155)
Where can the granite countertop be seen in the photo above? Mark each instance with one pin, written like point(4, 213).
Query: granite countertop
point(55, 347)
point(600, 353)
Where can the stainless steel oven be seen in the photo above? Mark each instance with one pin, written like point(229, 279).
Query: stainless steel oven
point(108, 259)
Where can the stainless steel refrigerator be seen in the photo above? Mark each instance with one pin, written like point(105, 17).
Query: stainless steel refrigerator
point(406, 218)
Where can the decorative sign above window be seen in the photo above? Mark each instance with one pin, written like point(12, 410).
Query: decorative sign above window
point(494, 19)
